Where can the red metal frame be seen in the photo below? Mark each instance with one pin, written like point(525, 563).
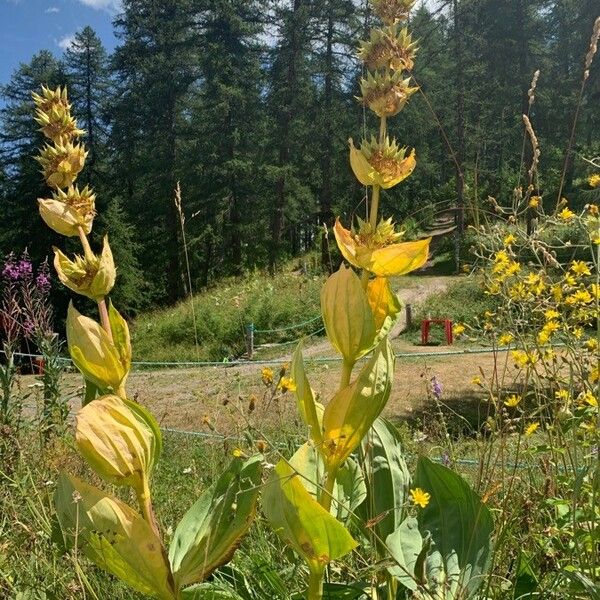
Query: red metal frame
point(426, 326)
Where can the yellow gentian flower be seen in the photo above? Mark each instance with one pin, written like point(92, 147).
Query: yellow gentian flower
point(384, 165)
point(378, 252)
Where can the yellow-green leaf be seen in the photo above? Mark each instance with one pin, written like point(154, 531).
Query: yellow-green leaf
point(384, 304)
point(310, 410)
point(113, 536)
point(352, 411)
point(210, 531)
point(301, 521)
point(120, 333)
point(93, 353)
point(347, 315)
point(117, 442)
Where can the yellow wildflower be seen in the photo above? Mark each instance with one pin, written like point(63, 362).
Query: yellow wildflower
point(238, 453)
point(505, 339)
point(592, 344)
point(565, 214)
point(577, 332)
point(531, 429)
point(267, 376)
point(594, 180)
point(523, 359)
point(589, 398)
point(476, 380)
point(534, 201)
point(419, 497)
point(509, 240)
point(512, 268)
point(512, 401)
point(579, 297)
point(595, 289)
point(580, 268)
point(551, 314)
point(286, 384)
point(594, 375)
point(562, 395)
point(557, 293)
point(570, 280)
point(458, 329)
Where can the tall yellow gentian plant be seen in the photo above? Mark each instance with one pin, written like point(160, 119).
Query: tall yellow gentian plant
point(118, 438)
point(359, 308)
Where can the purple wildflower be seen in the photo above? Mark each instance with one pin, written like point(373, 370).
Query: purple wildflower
point(436, 388)
point(42, 280)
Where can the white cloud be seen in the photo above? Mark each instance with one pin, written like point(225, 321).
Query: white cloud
point(51, 10)
point(109, 5)
point(66, 42)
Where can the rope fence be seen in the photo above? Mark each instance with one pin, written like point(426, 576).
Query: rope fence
point(280, 361)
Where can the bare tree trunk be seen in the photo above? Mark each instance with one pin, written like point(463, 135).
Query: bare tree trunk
point(460, 136)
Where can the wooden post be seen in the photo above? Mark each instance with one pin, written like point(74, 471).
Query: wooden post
point(409, 315)
point(250, 339)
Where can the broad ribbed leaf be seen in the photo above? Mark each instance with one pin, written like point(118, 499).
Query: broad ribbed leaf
point(405, 545)
point(301, 521)
point(459, 523)
point(347, 315)
point(388, 479)
point(349, 490)
point(310, 411)
point(113, 536)
point(210, 531)
point(352, 411)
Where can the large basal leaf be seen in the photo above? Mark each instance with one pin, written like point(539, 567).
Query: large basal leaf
point(460, 525)
point(349, 490)
point(210, 531)
point(351, 412)
point(382, 461)
point(301, 521)
point(113, 536)
point(405, 546)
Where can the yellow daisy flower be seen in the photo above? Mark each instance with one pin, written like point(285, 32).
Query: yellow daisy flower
point(419, 497)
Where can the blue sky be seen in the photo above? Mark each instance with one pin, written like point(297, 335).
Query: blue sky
point(27, 26)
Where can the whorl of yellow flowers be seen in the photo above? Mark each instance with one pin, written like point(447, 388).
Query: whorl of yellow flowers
point(381, 163)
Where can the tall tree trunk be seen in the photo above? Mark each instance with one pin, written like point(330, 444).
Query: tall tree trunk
point(286, 117)
point(326, 217)
point(460, 136)
point(89, 114)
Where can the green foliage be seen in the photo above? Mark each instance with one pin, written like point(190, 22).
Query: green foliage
point(209, 532)
point(463, 302)
point(383, 463)
point(222, 314)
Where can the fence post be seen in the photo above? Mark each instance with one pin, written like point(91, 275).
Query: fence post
point(409, 315)
point(250, 339)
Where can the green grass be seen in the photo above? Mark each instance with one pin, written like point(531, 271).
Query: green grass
point(463, 302)
point(222, 314)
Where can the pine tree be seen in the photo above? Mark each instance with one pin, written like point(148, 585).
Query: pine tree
point(19, 139)
point(86, 65)
point(155, 66)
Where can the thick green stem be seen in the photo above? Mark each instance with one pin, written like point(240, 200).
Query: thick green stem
point(327, 491)
point(315, 584)
point(87, 249)
point(145, 502)
point(374, 206)
point(346, 374)
point(103, 310)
